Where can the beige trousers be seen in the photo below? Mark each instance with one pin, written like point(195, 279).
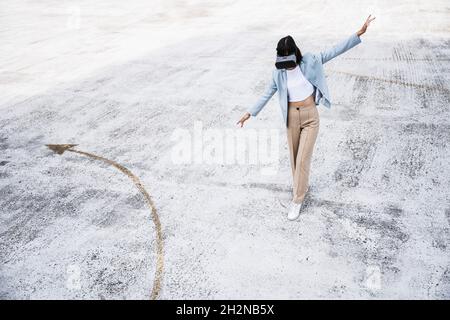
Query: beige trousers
point(302, 130)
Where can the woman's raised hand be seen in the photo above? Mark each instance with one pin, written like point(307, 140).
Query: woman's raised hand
point(365, 25)
point(244, 118)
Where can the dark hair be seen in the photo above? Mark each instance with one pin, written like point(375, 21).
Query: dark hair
point(286, 46)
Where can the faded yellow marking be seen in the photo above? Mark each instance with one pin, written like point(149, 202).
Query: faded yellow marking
point(61, 148)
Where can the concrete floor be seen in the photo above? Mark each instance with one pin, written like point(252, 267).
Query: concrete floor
point(118, 78)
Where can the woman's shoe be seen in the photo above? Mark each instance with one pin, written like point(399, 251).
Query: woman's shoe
point(294, 211)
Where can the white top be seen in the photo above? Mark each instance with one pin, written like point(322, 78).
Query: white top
point(299, 88)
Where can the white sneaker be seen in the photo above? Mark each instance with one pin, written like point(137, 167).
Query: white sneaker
point(294, 211)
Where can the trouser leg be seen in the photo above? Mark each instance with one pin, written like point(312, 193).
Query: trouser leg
point(308, 135)
point(293, 136)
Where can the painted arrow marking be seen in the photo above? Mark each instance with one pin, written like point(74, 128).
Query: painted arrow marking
point(61, 148)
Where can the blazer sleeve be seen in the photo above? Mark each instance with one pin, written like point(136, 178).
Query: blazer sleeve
point(262, 101)
point(340, 48)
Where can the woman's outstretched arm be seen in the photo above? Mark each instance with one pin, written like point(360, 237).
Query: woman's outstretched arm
point(262, 101)
point(347, 44)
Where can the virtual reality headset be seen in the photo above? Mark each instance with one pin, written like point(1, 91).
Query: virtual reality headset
point(284, 62)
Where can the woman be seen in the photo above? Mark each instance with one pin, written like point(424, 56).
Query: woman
point(301, 86)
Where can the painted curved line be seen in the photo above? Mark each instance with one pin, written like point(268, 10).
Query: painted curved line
point(61, 148)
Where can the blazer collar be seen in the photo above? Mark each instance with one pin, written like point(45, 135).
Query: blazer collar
point(302, 66)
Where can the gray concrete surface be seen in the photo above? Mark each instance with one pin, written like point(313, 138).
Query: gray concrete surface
point(117, 78)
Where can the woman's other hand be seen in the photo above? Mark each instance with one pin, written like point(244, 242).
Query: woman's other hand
point(365, 25)
point(244, 118)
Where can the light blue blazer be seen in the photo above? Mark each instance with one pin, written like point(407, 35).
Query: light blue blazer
point(312, 67)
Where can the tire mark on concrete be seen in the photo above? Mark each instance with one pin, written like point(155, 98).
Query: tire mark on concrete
point(396, 58)
point(422, 145)
point(447, 214)
point(398, 82)
point(411, 161)
point(426, 97)
point(442, 285)
point(361, 151)
point(374, 236)
point(361, 85)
